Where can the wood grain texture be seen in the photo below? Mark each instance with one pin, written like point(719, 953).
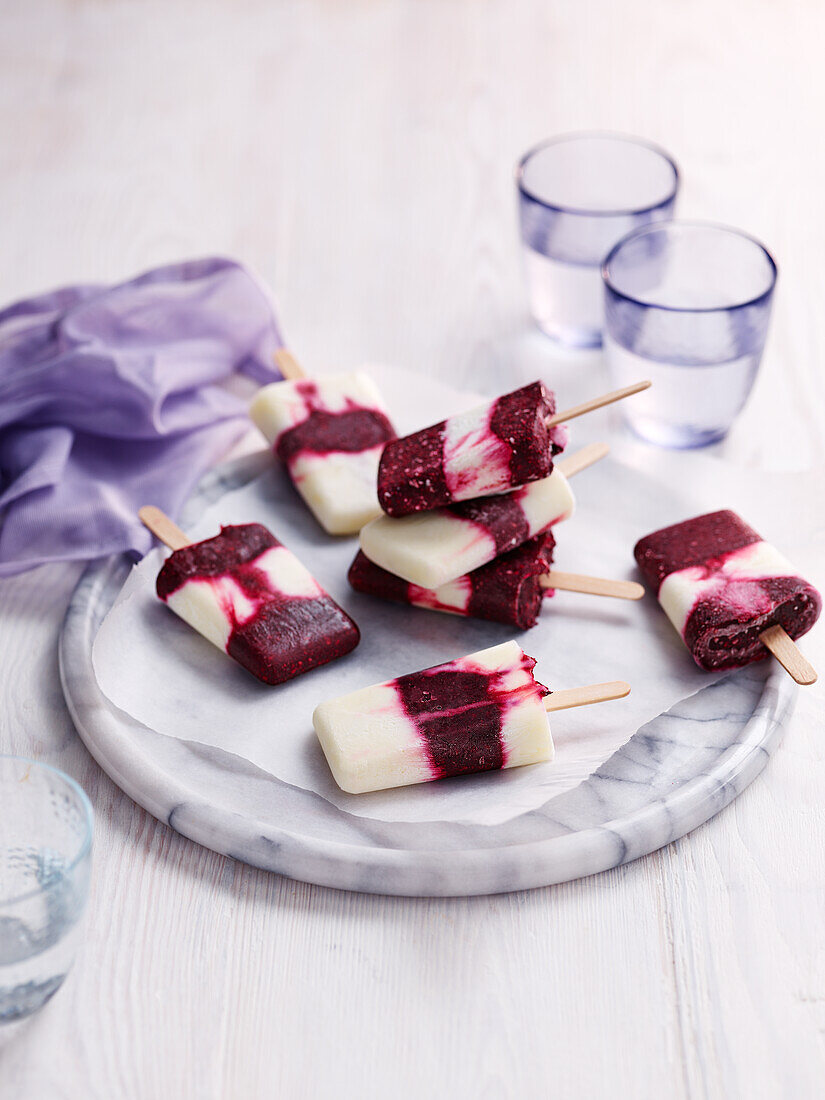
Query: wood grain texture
point(786, 651)
point(360, 157)
point(162, 527)
point(586, 696)
point(592, 586)
point(594, 403)
point(574, 463)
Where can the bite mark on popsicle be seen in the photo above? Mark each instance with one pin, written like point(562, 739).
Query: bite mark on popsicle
point(528, 449)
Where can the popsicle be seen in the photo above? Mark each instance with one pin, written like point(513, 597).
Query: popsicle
point(509, 589)
point(729, 594)
point(478, 713)
point(430, 549)
point(251, 597)
point(329, 432)
point(506, 590)
point(483, 452)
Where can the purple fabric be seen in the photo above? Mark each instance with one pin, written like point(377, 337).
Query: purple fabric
point(111, 397)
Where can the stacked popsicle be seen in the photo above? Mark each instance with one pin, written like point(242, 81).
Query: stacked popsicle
point(469, 504)
point(458, 497)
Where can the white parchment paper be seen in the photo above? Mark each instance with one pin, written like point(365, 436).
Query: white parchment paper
point(153, 666)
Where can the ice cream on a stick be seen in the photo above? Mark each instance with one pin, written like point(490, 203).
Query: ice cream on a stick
point(509, 589)
point(329, 431)
point(499, 445)
point(478, 713)
point(506, 590)
point(251, 597)
point(731, 596)
point(430, 549)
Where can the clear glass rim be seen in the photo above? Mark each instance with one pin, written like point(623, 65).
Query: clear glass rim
point(677, 223)
point(86, 842)
point(577, 135)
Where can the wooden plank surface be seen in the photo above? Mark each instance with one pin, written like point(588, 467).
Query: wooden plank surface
point(360, 156)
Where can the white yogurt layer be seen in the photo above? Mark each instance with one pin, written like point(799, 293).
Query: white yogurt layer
point(370, 742)
point(338, 486)
point(453, 596)
point(476, 462)
point(284, 405)
point(680, 592)
point(427, 548)
point(430, 549)
point(547, 502)
point(215, 605)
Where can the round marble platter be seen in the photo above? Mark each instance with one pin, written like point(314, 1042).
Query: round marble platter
point(673, 774)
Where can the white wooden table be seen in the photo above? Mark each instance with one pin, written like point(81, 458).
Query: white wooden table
point(359, 155)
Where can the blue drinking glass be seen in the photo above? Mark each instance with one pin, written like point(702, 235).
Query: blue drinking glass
point(687, 305)
point(45, 857)
point(578, 194)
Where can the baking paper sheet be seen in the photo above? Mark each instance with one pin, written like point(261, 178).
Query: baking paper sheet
point(153, 666)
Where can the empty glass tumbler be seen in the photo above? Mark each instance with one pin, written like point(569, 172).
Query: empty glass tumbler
point(687, 305)
point(578, 194)
point(45, 855)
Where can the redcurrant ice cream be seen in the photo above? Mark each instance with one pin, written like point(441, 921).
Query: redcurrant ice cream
point(488, 450)
point(330, 433)
point(430, 549)
point(721, 586)
point(478, 713)
point(506, 590)
point(250, 596)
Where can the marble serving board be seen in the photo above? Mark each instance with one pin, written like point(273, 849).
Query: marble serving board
point(672, 772)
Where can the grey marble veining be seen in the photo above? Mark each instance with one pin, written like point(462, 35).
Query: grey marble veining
point(676, 772)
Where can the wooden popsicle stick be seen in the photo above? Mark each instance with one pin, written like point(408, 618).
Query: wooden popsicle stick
point(162, 527)
point(575, 463)
point(592, 586)
point(785, 649)
point(597, 403)
point(584, 696)
point(288, 365)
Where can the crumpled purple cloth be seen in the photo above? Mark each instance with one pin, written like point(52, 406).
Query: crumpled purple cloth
point(111, 397)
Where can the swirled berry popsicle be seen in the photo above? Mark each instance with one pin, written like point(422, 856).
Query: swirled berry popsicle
point(477, 713)
point(506, 590)
point(330, 432)
point(251, 597)
point(722, 586)
point(430, 549)
point(488, 450)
